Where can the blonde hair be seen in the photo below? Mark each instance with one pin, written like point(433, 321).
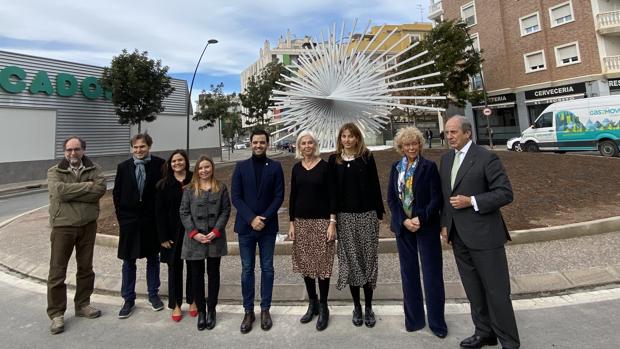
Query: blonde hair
point(195, 182)
point(408, 134)
point(307, 133)
point(360, 146)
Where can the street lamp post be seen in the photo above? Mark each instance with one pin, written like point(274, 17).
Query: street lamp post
point(189, 98)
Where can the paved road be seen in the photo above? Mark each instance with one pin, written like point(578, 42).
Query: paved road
point(586, 320)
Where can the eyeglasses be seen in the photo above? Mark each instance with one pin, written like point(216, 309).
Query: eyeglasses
point(71, 150)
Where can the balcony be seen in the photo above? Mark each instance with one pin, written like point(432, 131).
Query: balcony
point(608, 23)
point(435, 10)
point(611, 64)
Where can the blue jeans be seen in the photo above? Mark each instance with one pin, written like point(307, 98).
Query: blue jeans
point(128, 286)
point(247, 251)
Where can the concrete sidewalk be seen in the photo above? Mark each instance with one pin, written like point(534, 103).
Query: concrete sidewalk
point(538, 268)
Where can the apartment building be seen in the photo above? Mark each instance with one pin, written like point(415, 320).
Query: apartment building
point(536, 52)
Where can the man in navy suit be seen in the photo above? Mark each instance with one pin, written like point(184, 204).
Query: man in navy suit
point(475, 186)
point(257, 192)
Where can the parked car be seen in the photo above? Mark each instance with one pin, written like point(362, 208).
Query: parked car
point(577, 125)
point(240, 146)
point(514, 144)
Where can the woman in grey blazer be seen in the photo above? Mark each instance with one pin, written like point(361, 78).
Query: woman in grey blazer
point(204, 211)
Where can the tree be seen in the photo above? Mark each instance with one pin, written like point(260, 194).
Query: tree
point(256, 98)
point(139, 86)
point(214, 105)
point(451, 46)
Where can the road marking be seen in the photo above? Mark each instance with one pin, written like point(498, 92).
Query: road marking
point(21, 215)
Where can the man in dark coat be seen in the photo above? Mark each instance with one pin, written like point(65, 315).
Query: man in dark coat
point(475, 186)
point(134, 201)
point(257, 193)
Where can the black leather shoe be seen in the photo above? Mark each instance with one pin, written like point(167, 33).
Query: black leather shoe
point(440, 334)
point(369, 317)
point(321, 323)
point(265, 320)
point(476, 342)
point(210, 320)
point(248, 319)
point(313, 309)
point(202, 320)
point(357, 316)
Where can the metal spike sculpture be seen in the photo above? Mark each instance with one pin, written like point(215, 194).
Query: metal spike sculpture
point(335, 82)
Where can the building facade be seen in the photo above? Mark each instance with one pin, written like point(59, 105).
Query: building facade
point(536, 53)
point(43, 101)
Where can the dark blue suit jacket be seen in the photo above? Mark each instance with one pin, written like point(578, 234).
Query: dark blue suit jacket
point(251, 201)
point(428, 198)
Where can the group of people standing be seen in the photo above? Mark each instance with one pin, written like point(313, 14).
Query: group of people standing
point(335, 199)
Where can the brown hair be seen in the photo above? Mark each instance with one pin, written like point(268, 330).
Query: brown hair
point(195, 183)
point(144, 136)
point(360, 150)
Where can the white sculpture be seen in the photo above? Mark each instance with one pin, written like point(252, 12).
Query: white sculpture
point(335, 82)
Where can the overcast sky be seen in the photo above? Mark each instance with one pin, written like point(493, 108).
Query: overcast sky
point(93, 32)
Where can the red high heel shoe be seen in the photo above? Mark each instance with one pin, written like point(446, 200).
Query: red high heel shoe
point(176, 318)
point(193, 312)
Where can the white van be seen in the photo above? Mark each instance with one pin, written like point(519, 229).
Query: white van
point(576, 125)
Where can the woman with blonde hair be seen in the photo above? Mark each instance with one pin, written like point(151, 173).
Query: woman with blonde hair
point(357, 203)
point(205, 209)
point(312, 228)
point(415, 199)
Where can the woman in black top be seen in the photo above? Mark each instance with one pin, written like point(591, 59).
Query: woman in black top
point(312, 229)
point(359, 207)
point(176, 174)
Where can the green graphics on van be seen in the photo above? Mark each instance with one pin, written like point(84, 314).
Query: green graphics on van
point(570, 127)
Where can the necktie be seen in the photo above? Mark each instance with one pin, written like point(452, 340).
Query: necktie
point(455, 168)
point(140, 176)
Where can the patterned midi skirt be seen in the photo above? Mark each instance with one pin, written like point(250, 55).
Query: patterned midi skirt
point(358, 243)
point(313, 255)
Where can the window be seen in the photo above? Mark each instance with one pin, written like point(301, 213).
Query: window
point(534, 61)
point(530, 24)
point(468, 14)
point(561, 14)
point(545, 120)
point(567, 54)
point(476, 82)
point(475, 42)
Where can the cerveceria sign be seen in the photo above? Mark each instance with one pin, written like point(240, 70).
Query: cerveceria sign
point(12, 80)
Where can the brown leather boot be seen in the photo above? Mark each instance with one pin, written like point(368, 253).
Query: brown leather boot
point(248, 319)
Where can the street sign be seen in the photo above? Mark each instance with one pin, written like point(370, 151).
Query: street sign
point(487, 111)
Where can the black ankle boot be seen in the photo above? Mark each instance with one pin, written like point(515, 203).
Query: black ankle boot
point(370, 317)
point(357, 316)
point(210, 324)
point(313, 309)
point(202, 320)
point(321, 323)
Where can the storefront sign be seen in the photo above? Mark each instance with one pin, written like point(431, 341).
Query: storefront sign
point(498, 99)
point(614, 84)
point(12, 80)
point(553, 92)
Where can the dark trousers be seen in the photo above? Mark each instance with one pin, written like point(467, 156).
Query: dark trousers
point(486, 280)
point(128, 286)
point(247, 250)
point(428, 246)
point(197, 269)
point(63, 240)
point(175, 283)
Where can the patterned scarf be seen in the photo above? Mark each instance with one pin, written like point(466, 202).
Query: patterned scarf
point(405, 184)
point(141, 173)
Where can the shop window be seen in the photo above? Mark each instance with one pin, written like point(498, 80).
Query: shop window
point(567, 54)
point(530, 24)
point(561, 14)
point(468, 14)
point(534, 61)
point(545, 120)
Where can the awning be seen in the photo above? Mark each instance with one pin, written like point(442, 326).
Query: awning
point(554, 99)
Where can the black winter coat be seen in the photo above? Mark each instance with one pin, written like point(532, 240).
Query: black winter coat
point(136, 219)
point(169, 226)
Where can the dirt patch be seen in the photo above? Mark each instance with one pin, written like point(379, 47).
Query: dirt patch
point(549, 189)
